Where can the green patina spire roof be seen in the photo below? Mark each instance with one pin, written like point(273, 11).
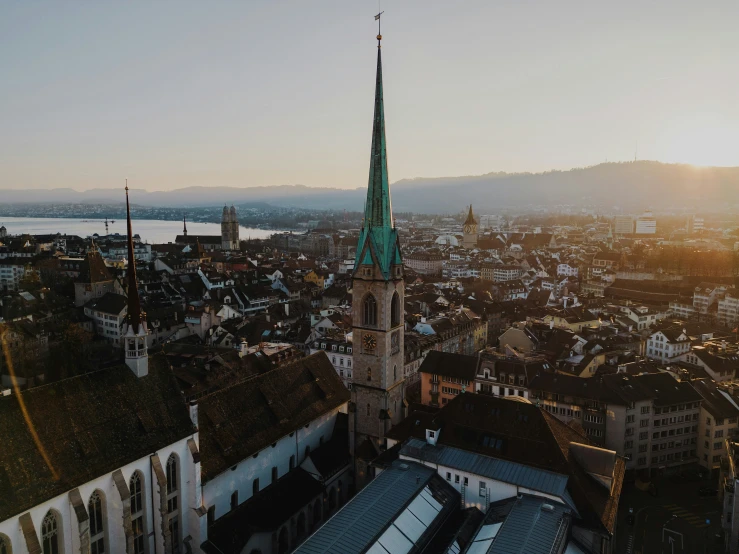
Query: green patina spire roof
point(378, 241)
point(378, 211)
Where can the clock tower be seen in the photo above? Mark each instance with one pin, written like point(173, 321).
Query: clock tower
point(377, 304)
point(469, 240)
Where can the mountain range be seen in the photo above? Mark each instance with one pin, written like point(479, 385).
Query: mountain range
point(628, 185)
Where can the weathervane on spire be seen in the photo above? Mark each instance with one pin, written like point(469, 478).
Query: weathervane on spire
point(379, 24)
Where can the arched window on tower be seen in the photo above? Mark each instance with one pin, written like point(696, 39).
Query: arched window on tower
point(395, 310)
point(369, 310)
point(369, 374)
point(97, 523)
point(173, 502)
point(50, 534)
point(136, 489)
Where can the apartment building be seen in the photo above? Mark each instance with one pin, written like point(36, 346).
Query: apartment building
point(718, 421)
point(446, 375)
point(728, 485)
point(503, 375)
point(668, 344)
point(728, 309)
point(500, 273)
point(706, 294)
point(340, 354)
point(424, 263)
point(651, 419)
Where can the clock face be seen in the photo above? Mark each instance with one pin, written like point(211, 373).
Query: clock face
point(369, 341)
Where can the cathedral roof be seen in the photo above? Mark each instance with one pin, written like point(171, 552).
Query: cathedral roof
point(88, 426)
point(378, 240)
point(239, 421)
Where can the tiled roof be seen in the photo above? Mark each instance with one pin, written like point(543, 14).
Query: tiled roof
point(109, 303)
point(88, 426)
point(449, 364)
point(244, 418)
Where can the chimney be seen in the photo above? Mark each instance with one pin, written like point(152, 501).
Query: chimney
point(243, 348)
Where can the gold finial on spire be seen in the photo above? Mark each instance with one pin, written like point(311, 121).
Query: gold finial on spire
point(126, 187)
point(379, 22)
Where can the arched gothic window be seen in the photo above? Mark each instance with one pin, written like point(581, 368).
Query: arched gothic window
point(97, 524)
point(173, 502)
point(369, 374)
point(369, 311)
point(5, 545)
point(395, 373)
point(50, 534)
point(137, 512)
point(395, 310)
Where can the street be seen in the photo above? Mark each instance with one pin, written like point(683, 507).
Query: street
point(676, 521)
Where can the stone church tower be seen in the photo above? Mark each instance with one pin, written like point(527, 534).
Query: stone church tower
point(229, 229)
point(377, 306)
point(134, 334)
point(469, 240)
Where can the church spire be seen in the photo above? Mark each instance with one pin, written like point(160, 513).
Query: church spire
point(135, 316)
point(184, 225)
point(378, 244)
point(378, 211)
point(470, 218)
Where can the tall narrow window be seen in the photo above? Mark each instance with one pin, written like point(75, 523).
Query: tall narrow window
point(173, 503)
point(369, 374)
point(369, 315)
point(274, 474)
point(137, 512)
point(255, 487)
point(368, 409)
point(97, 524)
point(50, 534)
point(234, 500)
point(395, 310)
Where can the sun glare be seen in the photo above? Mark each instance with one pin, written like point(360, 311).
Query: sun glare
point(703, 141)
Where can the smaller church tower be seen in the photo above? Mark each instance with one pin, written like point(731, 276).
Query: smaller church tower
point(469, 241)
point(609, 238)
point(234, 229)
point(134, 335)
point(226, 229)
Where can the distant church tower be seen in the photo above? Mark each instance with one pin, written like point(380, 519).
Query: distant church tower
point(134, 335)
point(469, 241)
point(229, 229)
point(184, 226)
point(377, 305)
point(234, 230)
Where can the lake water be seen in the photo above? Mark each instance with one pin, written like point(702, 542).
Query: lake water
point(150, 230)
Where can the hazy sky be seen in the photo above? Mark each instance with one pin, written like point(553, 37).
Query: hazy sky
point(245, 93)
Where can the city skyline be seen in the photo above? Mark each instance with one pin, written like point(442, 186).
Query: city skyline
point(259, 95)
